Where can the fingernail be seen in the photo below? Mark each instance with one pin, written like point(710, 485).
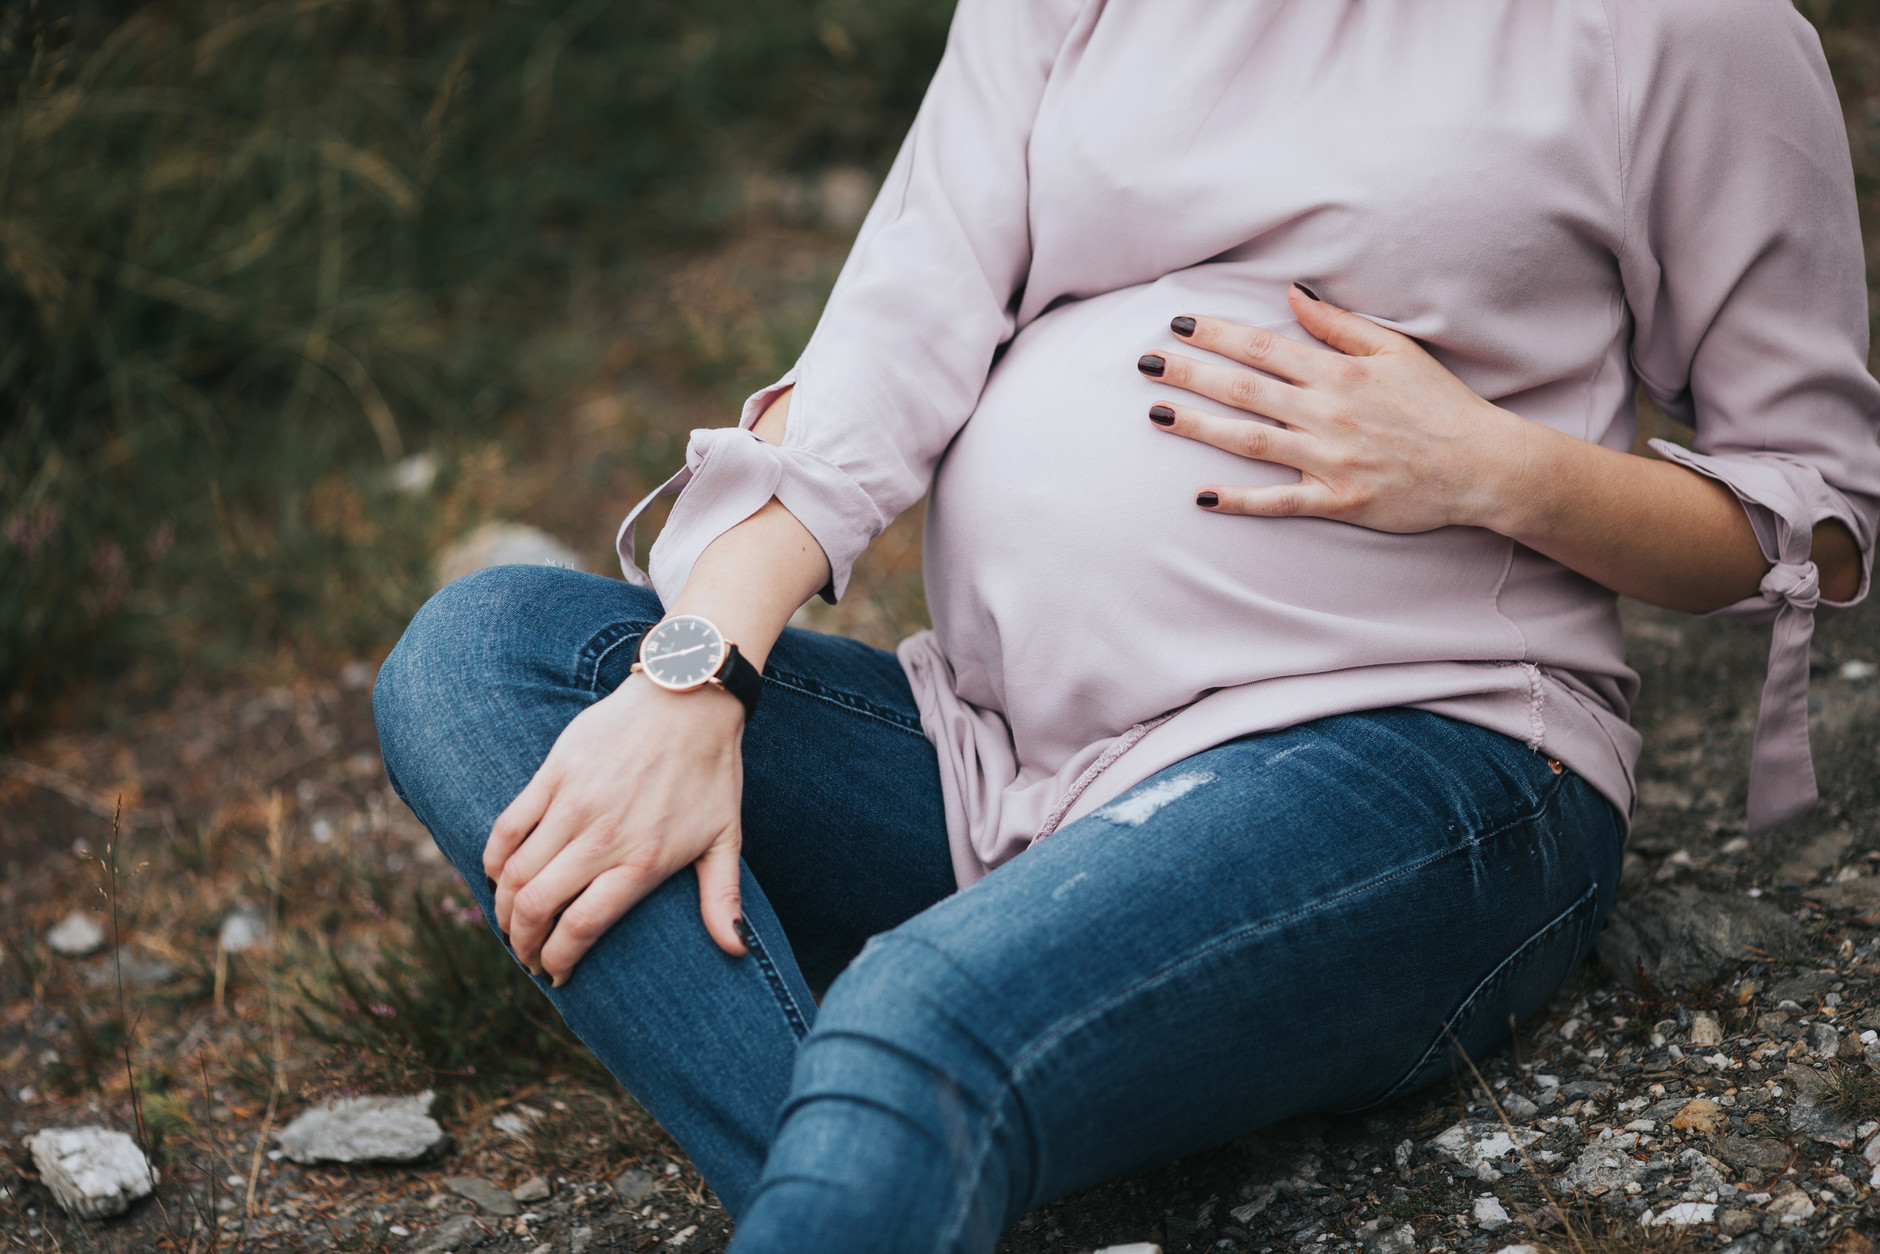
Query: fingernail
point(1183, 326)
point(742, 928)
point(1310, 294)
point(1151, 365)
point(535, 969)
point(1207, 500)
point(557, 981)
point(1161, 415)
point(505, 936)
point(491, 882)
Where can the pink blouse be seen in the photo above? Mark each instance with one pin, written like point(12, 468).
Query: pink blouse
point(1562, 199)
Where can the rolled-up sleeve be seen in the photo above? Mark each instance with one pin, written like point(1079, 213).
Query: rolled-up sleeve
point(899, 357)
point(1745, 279)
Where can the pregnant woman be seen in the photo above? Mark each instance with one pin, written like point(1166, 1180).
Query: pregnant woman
point(1271, 370)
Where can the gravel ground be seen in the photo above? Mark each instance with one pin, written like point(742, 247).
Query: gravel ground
point(1729, 1083)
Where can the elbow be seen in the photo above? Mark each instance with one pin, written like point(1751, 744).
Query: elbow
point(1836, 555)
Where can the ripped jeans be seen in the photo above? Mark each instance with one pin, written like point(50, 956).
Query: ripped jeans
point(1303, 920)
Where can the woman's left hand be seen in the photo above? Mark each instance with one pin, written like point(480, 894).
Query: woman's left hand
point(1381, 433)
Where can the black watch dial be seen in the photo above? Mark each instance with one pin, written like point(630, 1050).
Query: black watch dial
point(682, 652)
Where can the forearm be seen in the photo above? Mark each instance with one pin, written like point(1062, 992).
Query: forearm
point(1646, 528)
point(751, 579)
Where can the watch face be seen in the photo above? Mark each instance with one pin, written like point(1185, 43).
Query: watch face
point(682, 652)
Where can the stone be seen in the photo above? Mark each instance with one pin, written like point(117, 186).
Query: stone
point(1705, 1032)
point(414, 475)
point(75, 936)
point(1823, 1039)
point(1793, 1203)
point(1745, 1153)
point(1523, 1248)
point(456, 1233)
point(634, 1186)
point(135, 970)
point(1684, 1214)
point(1810, 1115)
point(1600, 1168)
point(1580, 1090)
point(1134, 1247)
point(1519, 1108)
point(503, 544)
point(364, 1130)
point(1700, 1114)
point(1852, 1242)
point(1734, 1223)
point(1395, 1239)
point(1489, 1213)
point(243, 928)
point(1804, 987)
point(534, 1189)
point(487, 1197)
point(512, 1124)
point(94, 1172)
point(1685, 936)
point(1850, 896)
point(1817, 856)
point(1482, 1142)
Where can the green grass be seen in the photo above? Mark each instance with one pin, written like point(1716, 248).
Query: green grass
point(251, 253)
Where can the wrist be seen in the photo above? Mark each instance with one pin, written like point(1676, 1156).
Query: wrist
point(1509, 489)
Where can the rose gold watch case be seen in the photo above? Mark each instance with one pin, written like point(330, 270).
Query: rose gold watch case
point(718, 660)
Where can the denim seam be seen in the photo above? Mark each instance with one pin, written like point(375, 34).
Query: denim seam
point(594, 652)
point(781, 990)
point(1590, 896)
point(846, 701)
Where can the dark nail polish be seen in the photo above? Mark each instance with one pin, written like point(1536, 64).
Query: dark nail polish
point(1161, 415)
point(505, 936)
point(1310, 294)
point(742, 928)
point(1183, 326)
point(1207, 500)
point(491, 882)
point(1151, 365)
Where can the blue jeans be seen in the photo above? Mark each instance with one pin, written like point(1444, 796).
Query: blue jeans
point(1175, 970)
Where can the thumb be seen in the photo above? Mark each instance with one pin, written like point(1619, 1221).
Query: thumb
point(1340, 328)
point(720, 901)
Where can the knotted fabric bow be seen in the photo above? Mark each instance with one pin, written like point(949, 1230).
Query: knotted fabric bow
point(1781, 769)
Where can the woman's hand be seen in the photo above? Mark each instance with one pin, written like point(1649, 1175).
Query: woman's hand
point(1381, 433)
point(640, 784)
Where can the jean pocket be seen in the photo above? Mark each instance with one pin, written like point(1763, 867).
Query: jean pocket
point(1518, 986)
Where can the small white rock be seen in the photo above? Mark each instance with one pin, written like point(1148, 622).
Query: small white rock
point(1642, 1125)
point(1523, 1248)
point(243, 928)
point(414, 475)
point(1134, 1247)
point(1683, 1214)
point(75, 936)
point(1704, 1031)
point(364, 1130)
point(1489, 1213)
point(94, 1172)
point(1857, 670)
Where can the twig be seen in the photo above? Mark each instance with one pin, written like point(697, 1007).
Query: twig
point(58, 781)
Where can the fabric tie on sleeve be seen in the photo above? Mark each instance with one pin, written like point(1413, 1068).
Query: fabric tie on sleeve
point(1782, 771)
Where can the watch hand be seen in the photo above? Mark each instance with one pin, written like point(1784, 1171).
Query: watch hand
point(681, 652)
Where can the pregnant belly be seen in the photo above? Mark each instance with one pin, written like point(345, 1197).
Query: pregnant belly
point(1076, 586)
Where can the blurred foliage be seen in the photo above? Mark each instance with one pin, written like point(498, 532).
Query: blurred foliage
point(250, 254)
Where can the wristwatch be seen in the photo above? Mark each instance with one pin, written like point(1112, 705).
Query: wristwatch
point(686, 652)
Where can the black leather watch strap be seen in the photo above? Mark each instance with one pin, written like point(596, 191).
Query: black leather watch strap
point(741, 679)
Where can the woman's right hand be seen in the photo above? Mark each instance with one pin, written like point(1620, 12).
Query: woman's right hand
point(641, 783)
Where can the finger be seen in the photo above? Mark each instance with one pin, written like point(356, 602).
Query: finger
point(1231, 385)
point(1340, 328)
point(556, 830)
point(720, 901)
point(541, 905)
point(1244, 437)
point(1305, 499)
point(1254, 346)
point(517, 820)
point(586, 919)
